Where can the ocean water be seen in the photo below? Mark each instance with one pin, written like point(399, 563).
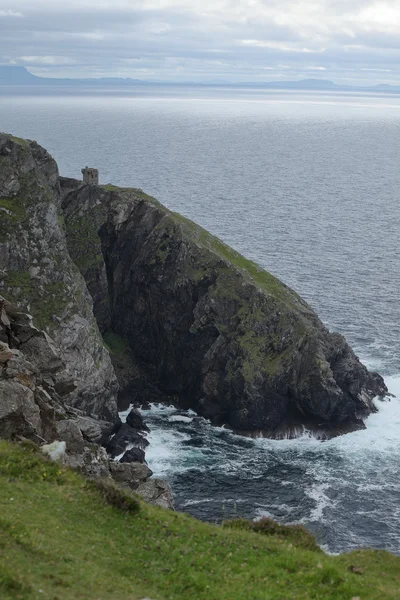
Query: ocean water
point(307, 185)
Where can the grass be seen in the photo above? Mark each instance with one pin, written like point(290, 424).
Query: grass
point(19, 141)
point(115, 344)
point(85, 243)
point(43, 304)
point(61, 538)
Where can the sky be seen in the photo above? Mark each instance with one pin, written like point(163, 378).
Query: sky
point(346, 41)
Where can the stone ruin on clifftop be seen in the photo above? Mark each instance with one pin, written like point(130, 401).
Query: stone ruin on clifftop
point(90, 176)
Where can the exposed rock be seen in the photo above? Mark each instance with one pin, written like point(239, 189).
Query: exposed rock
point(136, 421)
point(69, 431)
point(96, 431)
point(19, 414)
point(133, 455)
point(92, 462)
point(50, 411)
point(124, 437)
point(39, 276)
point(157, 491)
point(130, 475)
point(210, 330)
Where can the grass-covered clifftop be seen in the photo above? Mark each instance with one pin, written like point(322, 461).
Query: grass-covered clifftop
point(61, 539)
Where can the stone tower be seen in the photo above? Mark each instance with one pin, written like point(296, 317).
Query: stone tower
point(90, 176)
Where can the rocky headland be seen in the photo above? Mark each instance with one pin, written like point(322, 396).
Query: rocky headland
point(109, 298)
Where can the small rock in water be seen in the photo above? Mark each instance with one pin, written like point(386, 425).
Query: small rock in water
point(125, 436)
point(136, 421)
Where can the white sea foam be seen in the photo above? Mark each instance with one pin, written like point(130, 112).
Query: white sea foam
point(317, 493)
point(128, 447)
point(124, 413)
point(180, 419)
point(302, 480)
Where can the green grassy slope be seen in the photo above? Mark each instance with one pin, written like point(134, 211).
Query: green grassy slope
point(60, 539)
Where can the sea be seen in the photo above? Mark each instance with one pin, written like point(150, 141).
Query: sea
point(307, 184)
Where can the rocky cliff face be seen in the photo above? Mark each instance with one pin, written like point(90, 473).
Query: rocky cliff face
point(207, 328)
point(57, 383)
point(35, 391)
point(37, 273)
point(187, 319)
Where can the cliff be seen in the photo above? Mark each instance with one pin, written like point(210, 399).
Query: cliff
point(57, 382)
point(206, 328)
point(187, 319)
point(38, 275)
point(89, 272)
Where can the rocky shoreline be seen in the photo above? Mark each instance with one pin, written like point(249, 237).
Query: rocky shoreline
point(109, 298)
point(34, 394)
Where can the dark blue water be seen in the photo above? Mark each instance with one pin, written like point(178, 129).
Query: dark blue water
point(309, 187)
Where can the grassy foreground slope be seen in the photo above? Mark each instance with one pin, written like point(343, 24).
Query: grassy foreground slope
point(61, 539)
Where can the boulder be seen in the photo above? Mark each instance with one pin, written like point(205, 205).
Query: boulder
point(136, 420)
point(126, 436)
point(130, 475)
point(96, 430)
point(68, 431)
point(158, 492)
point(92, 462)
point(19, 413)
point(133, 455)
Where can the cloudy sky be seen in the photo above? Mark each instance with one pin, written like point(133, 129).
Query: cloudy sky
point(348, 41)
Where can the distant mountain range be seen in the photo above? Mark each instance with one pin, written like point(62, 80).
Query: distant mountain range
point(21, 76)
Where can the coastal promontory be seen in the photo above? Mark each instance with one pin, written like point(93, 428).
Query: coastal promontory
point(187, 319)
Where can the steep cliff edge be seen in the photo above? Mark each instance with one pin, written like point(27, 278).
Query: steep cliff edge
point(37, 273)
point(57, 383)
point(207, 328)
point(198, 324)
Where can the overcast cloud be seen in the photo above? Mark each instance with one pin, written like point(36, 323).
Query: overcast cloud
point(354, 41)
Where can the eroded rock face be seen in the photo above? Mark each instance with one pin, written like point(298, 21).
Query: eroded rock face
point(35, 389)
point(57, 382)
point(38, 275)
point(130, 475)
point(32, 383)
point(211, 331)
point(156, 491)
